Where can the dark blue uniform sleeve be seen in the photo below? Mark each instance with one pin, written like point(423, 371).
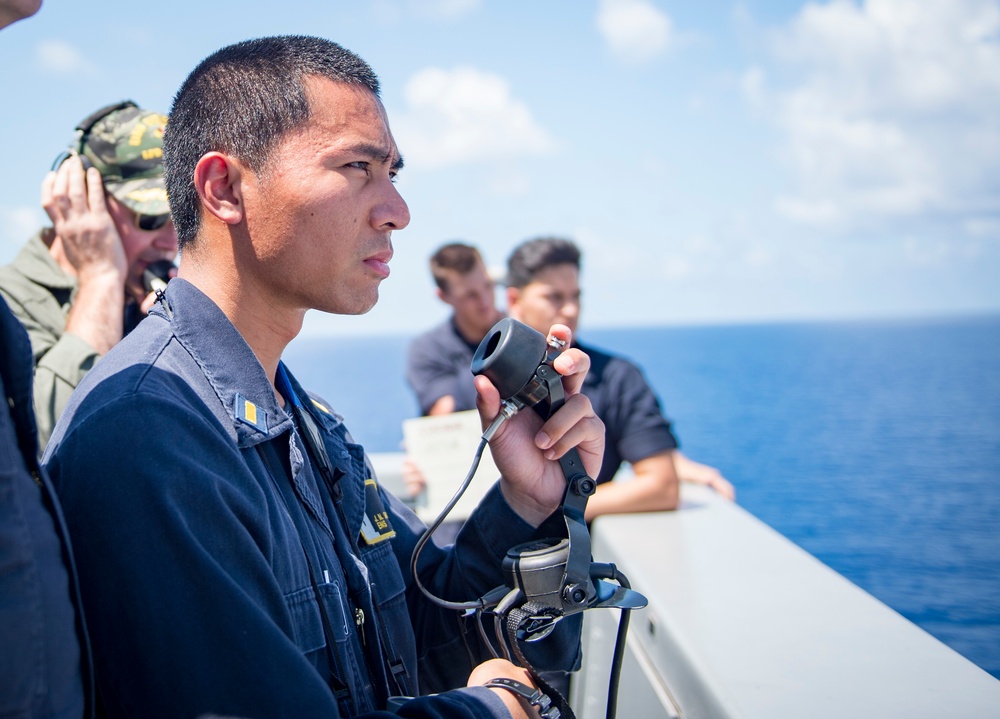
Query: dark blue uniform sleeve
point(644, 429)
point(176, 569)
point(448, 643)
point(635, 426)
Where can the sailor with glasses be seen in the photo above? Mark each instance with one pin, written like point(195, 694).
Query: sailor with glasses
point(77, 286)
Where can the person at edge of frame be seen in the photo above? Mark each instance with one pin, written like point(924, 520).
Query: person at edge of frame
point(45, 668)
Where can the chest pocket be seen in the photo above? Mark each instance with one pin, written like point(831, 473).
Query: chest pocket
point(307, 621)
point(386, 579)
point(396, 636)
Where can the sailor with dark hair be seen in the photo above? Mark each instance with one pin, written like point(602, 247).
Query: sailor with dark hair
point(543, 287)
point(239, 556)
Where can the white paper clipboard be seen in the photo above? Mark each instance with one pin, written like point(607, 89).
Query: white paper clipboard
point(443, 448)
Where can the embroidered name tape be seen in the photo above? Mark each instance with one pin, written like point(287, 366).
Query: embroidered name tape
point(375, 526)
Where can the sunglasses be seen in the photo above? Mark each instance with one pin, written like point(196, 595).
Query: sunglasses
point(148, 223)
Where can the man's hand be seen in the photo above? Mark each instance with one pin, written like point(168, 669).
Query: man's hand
point(74, 201)
point(502, 669)
point(690, 471)
point(413, 478)
point(89, 241)
point(526, 451)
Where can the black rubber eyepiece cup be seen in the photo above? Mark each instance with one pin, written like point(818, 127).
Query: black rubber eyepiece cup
point(509, 355)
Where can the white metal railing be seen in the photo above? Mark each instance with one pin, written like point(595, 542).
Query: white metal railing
point(743, 623)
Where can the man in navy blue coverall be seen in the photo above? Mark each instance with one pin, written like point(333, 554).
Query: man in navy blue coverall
point(44, 668)
point(237, 555)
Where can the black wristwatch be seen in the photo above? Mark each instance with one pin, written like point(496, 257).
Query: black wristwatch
point(534, 697)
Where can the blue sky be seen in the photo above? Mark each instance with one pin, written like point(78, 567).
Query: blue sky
point(717, 162)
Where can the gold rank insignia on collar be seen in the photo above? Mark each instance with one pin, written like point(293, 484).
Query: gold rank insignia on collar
point(249, 413)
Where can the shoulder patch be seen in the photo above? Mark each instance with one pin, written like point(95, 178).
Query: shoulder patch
point(375, 526)
point(249, 413)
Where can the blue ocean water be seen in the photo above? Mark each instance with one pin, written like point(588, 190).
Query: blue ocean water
point(873, 445)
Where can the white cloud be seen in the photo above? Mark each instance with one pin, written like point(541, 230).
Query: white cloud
point(674, 268)
point(982, 227)
point(892, 108)
point(931, 253)
point(508, 182)
point(620, 259)
point(61, 58)
point(752, 83)
point(809, 212)
point(634, 29)
point(463, 116)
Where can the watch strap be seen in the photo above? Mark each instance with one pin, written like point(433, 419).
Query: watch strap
point(535, 697)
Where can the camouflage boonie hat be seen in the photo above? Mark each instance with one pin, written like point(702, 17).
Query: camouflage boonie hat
point(125, 143)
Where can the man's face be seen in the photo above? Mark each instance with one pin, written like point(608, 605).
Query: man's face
point(142, 247)
point(553, 296)
point(472, 297)
point(320, 215)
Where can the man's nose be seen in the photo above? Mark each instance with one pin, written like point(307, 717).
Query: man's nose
point(392, 213)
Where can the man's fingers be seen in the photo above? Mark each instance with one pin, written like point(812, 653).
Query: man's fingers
point(60, 181)
point(76, 189)
point(488, 399)
point(47, 184)
point(574, 424)
point(572, 364)
point(95, 190)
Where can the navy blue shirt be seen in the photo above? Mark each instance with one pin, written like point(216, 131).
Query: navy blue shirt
point(223, 574)
point(635, 427)
point(634, 424)
point(437, 365)
point(44, 670)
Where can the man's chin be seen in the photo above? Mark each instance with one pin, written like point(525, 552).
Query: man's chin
point(356, 306)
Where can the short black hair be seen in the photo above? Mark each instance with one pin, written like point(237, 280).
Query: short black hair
point(242, 100)
point(453, 257)
point(531, 257)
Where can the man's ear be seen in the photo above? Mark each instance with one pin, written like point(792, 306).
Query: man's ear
point(513, 296)
point(217, 179)
point(440, 295)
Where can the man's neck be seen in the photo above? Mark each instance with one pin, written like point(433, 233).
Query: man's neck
point(266, 331)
